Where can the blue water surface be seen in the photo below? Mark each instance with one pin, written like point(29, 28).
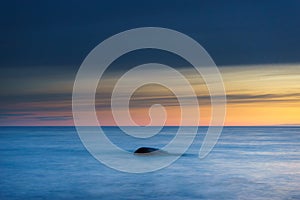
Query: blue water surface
point(246, 163)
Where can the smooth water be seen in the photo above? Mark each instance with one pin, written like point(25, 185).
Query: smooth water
point(246, 163)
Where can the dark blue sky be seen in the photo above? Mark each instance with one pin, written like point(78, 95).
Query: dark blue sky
point(61, 33)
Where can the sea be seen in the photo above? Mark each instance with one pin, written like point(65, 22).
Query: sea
point(246, 163)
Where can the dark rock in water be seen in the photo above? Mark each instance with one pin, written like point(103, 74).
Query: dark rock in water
point(145, 150)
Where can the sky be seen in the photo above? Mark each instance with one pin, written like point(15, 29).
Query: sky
point(255, 44)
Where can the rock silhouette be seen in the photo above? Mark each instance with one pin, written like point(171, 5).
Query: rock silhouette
point(142, 150)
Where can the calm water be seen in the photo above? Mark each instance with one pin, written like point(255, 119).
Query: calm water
point(247, 163)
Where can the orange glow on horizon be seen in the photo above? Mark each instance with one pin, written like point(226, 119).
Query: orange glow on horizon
point(256, 95)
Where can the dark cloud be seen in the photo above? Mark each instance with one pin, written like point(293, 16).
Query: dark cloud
point(231, 99)
point(248, 98)
point(7, 115)
point(53, 118)
point(142, 102)
point(39, 97)
point(63, 102)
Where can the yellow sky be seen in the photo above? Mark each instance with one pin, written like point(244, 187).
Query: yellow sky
point(256, 95)
point(274, 91)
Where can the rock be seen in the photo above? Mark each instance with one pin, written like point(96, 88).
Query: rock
point(142, 150)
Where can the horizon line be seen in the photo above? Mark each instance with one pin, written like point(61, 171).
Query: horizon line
point(278, 125)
